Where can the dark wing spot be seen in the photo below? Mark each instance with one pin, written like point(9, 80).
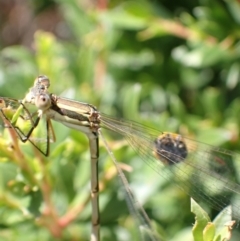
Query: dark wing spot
point(170, 148)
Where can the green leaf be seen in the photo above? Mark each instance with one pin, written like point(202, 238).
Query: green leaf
point(202, 220)
point(209, 232)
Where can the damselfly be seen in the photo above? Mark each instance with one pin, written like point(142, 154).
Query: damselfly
point(205, 172)
point(24, 119)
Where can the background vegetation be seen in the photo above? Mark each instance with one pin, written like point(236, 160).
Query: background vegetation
point(173, 66)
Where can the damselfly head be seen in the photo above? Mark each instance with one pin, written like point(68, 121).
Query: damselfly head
point(41, 85)
point(42, 82)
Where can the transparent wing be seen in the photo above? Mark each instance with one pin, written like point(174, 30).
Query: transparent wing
point(23, 118)
point(141, 218)
point(203, 171)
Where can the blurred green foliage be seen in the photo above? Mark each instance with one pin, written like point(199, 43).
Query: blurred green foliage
point(171, 66)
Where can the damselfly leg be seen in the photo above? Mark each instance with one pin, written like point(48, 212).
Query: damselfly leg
point(24, 119)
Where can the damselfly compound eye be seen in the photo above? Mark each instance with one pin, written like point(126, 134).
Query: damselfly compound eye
point(170, 148)
point(43, 101)
point(42, 82)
